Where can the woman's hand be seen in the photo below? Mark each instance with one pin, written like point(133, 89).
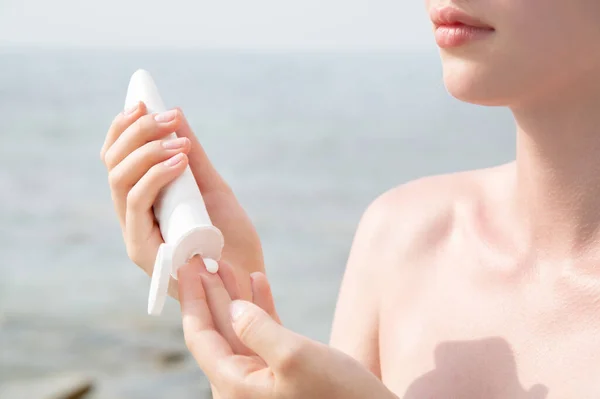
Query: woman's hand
point(140, 163)
point(246, 353)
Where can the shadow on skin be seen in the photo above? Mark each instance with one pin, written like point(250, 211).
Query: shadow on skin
point(483, 369)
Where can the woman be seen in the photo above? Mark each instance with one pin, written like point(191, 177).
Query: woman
point(487, 291)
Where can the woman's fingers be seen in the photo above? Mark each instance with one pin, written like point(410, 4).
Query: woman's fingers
point(141, 163)
point(262, 295)
point(218, 302)
point(119, 124)
point(229, 279)
point(227, 372)
point(202, 338)
point(127, 173)
point(145, 129)
point(140, 227)
point(283, 350)
point(207, 177)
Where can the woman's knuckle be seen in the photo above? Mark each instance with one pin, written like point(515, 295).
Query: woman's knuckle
point(178, 112)
point(247, 326)
point(117, 118)
point(291, 358)
point(133, 254)
point(192, 336)
point(115, 180)
point(116, 124)
point(103, 154)
point(133, 199)
point(154, 148)
point(154, 172)
point(108, 158)
point(138, 128)
point(149, 127)
point(188, 338)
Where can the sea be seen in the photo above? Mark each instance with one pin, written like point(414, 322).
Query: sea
point(305, 139)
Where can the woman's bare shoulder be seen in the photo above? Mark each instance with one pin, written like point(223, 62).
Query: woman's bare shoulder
point(423, 213)
point(400, 226)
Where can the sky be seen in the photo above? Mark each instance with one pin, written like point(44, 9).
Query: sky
point(218, 24)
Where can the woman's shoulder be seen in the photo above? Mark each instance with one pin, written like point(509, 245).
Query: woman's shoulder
point(423, 213)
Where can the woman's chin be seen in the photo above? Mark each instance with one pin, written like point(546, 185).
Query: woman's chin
point(475, 86)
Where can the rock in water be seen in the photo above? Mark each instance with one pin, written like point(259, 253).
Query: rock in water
point(54, 387)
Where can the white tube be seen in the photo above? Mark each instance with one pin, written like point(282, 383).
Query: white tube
point(179, 209)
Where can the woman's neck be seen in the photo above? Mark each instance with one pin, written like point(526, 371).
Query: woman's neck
point(557, 187)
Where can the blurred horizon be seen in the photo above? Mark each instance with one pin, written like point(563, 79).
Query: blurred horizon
point(232, 24)
point(432, 50)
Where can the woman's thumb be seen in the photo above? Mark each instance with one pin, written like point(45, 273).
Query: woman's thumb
point(263, 335)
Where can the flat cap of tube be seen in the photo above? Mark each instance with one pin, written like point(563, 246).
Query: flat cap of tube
point(159, 286)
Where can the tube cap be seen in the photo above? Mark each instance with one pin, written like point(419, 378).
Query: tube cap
point(159, 286)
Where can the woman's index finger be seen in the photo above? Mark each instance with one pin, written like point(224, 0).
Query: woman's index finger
point(205, 343)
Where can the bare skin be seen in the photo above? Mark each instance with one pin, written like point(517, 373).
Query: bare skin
point(464, 311)
point(485, 284)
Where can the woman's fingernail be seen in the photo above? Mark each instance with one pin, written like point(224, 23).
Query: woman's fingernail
point(174, 160)
point(237, 309)
point(174, 144)
point(166, 116)
point(131, 109)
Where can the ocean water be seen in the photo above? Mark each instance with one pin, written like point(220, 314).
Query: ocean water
point(305, 140)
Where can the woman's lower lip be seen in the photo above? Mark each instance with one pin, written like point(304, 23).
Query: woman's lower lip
point(448, 36)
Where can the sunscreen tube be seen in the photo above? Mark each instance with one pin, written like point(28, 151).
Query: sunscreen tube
point(179, 209)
